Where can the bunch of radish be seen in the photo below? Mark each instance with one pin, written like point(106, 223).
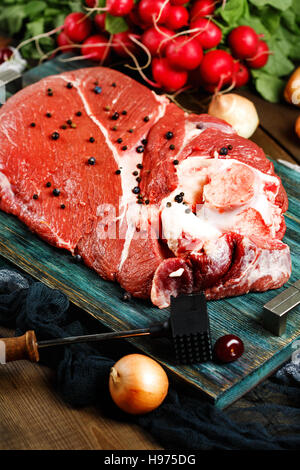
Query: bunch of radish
point(182, 40)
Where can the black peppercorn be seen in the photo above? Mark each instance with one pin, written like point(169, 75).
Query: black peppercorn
point(147, 201)
point(69, 85)
point(146, 118)
point(119, 140)
point(48, 115)
point(172, 147)
point(92, 140)
point(115, 116)
point(124, 112)
point(35, 196)
point(56, 192)
point(140, 149)
point(223, 151)
point(79, 113)
point(169, 135)
point(136, 190)
point(175, 162)
point(48, 185)
point(126, 297)
point(97, 90)
point(135, 173)
point(144, 141)
point(55, 136)
point(114, 84)
point(178, 198)
point(139, 166)
point(91, 161)
point(62, 206)
point(138, 179)
point(229, 147)
point(32, 124)
point(118, 172)
point(124, 147)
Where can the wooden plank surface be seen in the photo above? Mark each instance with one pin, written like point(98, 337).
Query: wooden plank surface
point(34, 417)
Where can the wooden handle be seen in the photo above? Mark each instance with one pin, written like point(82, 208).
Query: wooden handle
point(19, 347)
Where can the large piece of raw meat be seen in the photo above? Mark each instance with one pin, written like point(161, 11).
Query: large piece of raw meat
point(158, 200)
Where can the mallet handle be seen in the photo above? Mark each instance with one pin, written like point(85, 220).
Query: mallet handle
point(19, 347)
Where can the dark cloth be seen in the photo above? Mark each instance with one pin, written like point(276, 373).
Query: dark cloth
point(267, 418)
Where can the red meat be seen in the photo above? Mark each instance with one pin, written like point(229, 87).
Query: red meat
point(158, 200)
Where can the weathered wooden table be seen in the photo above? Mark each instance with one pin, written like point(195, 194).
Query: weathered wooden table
point(32, 414)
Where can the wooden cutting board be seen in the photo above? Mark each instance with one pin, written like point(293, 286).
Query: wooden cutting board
point(242, 316)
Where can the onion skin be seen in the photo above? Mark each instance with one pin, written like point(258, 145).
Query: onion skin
point(137, 384)
point(292, 89)
point(237, 111)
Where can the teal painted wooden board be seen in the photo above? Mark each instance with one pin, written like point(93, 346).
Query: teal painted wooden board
point(222, 384)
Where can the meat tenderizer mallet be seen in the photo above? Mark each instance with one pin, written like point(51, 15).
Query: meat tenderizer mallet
point(187, 328)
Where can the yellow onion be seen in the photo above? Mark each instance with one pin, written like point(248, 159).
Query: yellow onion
point(138, 384)
point(292, 89)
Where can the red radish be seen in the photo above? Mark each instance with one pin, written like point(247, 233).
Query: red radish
point(134, 19)
point(100, 21)
point(216, 68)
point(261, 57)
point(91, 3)
point(77, 27)
point(64, 42)
point(120, 40)
point(243, 41)
point(241, 74)
point(209, 34)
point(152, 11)
point(95, 47)
point(178, 2)
point(167, 77)
point(119, 7)
point(202, 8)
point(5, 54)
point(152, 39)
point(178, 17)
point(184, 53)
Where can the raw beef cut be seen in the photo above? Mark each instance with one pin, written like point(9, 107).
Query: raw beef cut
point(161, 201)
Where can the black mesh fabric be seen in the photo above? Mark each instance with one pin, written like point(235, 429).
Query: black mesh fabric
point(267, 418)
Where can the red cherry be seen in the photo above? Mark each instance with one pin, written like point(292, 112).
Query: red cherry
point(228, 348)
point(5, 54)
